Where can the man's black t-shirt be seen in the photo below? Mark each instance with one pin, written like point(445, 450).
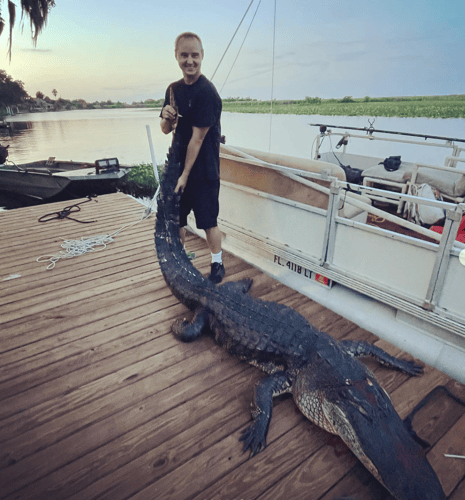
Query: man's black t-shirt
point(199, 105)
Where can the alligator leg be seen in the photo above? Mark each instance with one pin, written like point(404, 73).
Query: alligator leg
point(254, 437)
point(188, 331)
point(362, 348)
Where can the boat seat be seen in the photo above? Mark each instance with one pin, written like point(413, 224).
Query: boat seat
point(400, 176)
point(447, 183)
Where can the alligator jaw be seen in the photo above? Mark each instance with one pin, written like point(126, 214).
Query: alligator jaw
point(360, 412)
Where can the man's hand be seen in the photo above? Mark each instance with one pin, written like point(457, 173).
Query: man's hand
point(182, 181)
point(169, 113)
point(169, 119)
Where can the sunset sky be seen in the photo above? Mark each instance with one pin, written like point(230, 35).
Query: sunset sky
point(120, 50)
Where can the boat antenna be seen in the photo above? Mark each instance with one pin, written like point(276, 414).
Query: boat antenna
point(272, 75)
point(240, 48)
point(229, 44)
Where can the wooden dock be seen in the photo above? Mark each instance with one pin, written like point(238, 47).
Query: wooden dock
point(98, 400)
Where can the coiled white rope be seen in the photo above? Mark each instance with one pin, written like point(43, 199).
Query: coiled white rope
point(74, 248)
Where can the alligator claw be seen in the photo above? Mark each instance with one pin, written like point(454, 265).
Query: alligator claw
point(185, 331)
point(178, 327)
point(410, 367)
point(253, 439)
point(188, 331)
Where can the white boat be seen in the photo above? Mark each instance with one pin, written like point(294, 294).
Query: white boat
point(48, 178)
point(350, 250)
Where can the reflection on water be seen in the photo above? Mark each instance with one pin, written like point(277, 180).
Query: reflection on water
point(88, 135)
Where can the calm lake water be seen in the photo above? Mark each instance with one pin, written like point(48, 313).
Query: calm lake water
point(88, 135)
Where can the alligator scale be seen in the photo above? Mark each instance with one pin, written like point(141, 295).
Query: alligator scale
point(329, 385)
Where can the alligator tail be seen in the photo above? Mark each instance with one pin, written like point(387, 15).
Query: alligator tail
point(184, 280)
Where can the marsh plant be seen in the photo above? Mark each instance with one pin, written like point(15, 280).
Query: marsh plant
point(140, 181)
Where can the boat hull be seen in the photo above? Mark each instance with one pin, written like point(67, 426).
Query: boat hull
point(44, 181)
point(34, 185)
point(402, 287)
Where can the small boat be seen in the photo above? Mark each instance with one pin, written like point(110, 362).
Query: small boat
point(48, 178)
point(348, 246)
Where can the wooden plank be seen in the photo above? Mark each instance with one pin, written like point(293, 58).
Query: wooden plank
point(440, 413)
point(23, 331)
point(97, 320)
point(102, 402)
point(450, 470)
point(459, 492)
point(44, 234)
point(90, 353)
point(160, 445)
point(186, 482)
point(119, 254)
point(189, 381)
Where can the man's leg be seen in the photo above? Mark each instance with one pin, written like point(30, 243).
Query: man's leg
point(182, 235)
point(214, 239)
point(214, 244)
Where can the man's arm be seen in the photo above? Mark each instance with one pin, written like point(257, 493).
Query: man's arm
point(193, 148)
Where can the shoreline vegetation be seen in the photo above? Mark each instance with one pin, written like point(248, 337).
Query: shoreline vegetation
point(452, 106)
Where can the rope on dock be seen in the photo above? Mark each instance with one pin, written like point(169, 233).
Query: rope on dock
point(74, 248)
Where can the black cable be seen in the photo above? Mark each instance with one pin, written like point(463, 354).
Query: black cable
point(65, 213)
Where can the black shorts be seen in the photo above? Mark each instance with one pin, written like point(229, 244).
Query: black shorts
point(201, 197)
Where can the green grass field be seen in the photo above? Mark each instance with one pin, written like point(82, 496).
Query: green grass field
point(406, 107)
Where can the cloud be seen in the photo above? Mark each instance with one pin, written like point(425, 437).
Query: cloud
point(35, 50)
point(406, 57)
point(349, 56)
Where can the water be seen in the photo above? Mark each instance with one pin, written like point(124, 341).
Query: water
point(88, 135)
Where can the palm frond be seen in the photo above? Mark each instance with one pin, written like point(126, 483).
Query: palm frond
point(12, 14)
point(36, 10)
point(2, 21)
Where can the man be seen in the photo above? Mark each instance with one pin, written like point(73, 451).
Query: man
point(192, 110)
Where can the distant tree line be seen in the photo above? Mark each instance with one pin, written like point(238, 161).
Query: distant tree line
point(14, 98)
point(11, 91)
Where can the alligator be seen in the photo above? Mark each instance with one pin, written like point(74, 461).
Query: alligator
point(329, 384)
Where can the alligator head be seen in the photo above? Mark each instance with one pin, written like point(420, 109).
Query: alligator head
point(361, 413)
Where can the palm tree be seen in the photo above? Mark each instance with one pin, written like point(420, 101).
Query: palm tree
point(36, 10)
point(54, 92)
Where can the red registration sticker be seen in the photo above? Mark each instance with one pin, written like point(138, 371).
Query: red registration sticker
point(322, 279)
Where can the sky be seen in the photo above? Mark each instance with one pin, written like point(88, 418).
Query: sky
point(124, 50)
